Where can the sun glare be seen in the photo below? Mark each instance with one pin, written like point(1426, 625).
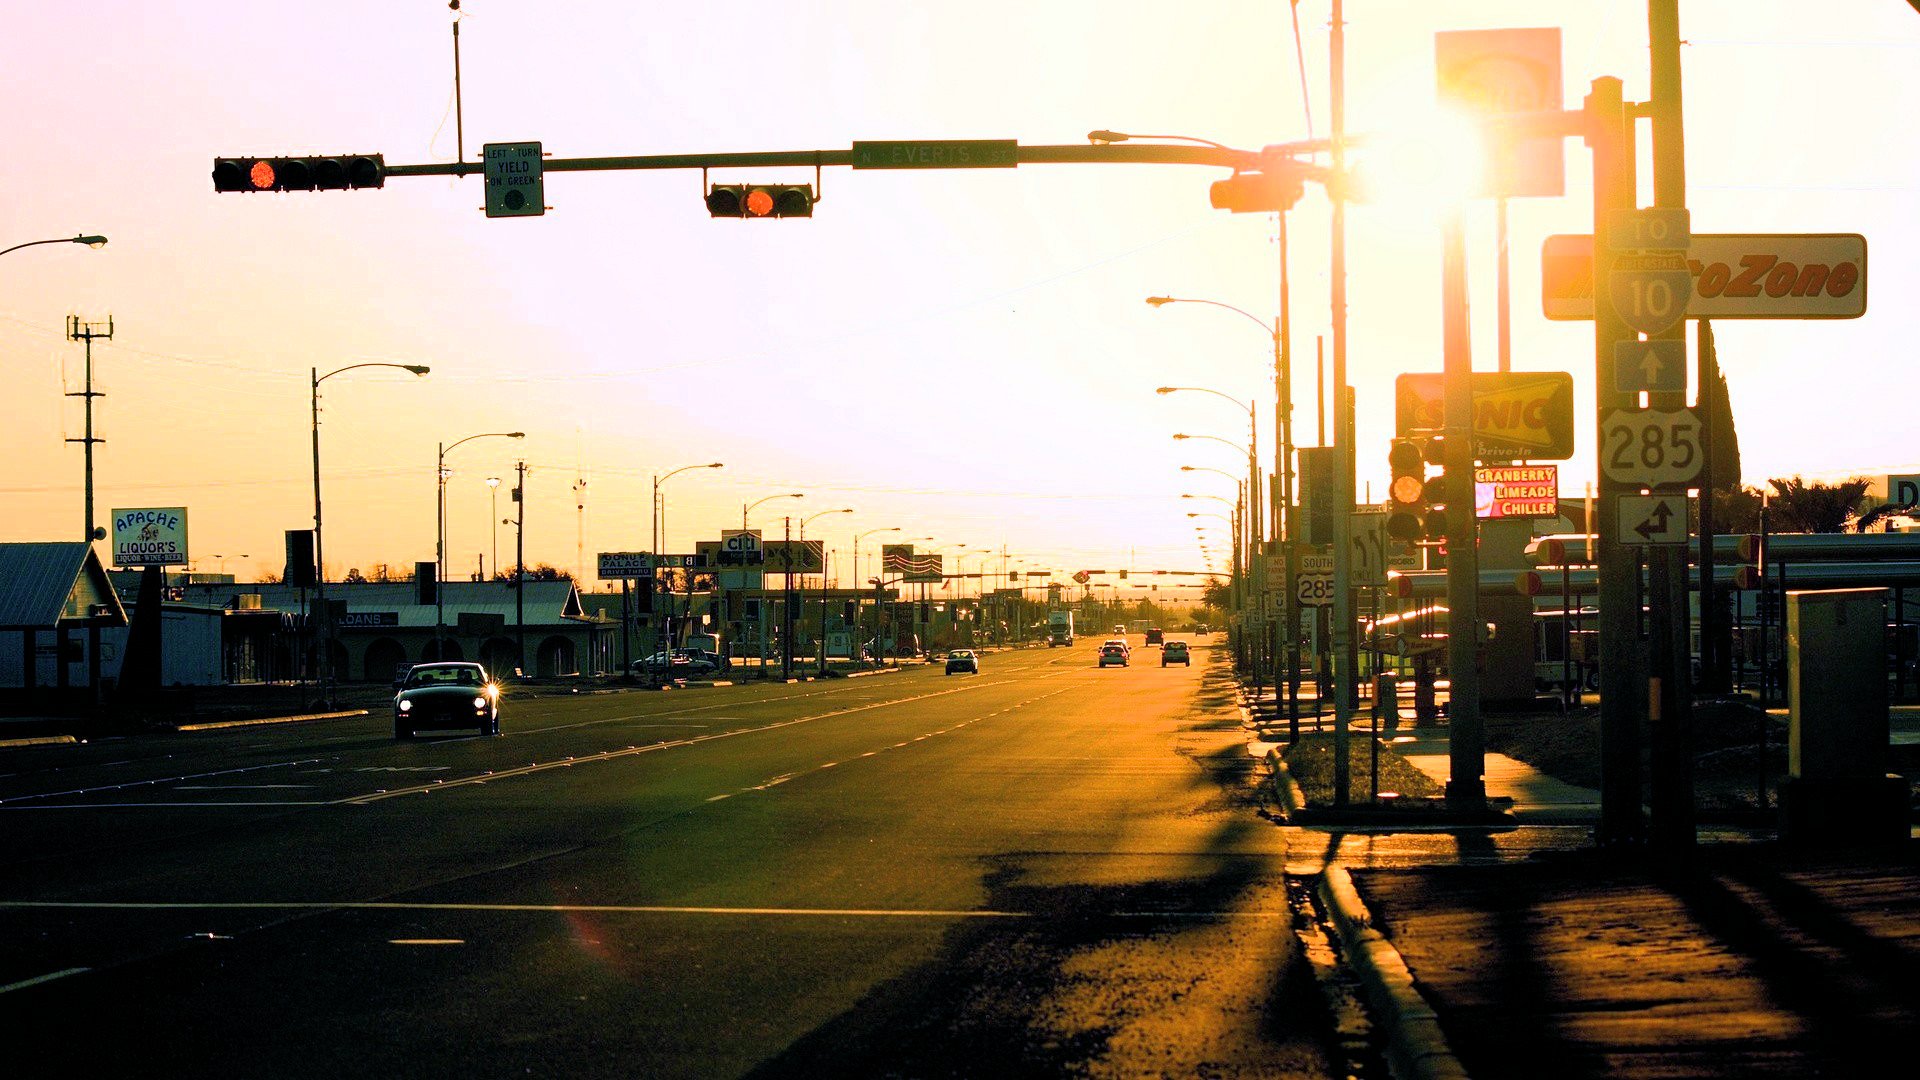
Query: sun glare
point(1433, 162)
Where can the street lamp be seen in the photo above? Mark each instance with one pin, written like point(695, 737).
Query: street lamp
point(440, 538)
point(95, 242)
point(659, 506)
point(823, 578)
point(658, 530)
point(319, 545)
point(1282, 514)
point(493, 487)
point(749, 506)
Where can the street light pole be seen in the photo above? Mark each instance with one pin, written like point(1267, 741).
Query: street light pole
point(440, 539)
point(493, 487)
point(1282, 518)
point(324, 644)
point(744, 509)
point(658, 529)
point(823, 580)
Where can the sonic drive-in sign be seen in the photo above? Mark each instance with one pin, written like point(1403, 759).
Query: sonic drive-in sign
point(1515, 414)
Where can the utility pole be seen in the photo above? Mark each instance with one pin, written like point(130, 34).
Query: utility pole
point(1672, 728)
point(520, 563)
point(87, 332)
point(1342, 423)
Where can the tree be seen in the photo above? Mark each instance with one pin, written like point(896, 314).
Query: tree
point(1725, 440)
point(1737, 510)
point(1813, 507)
point(1885, 512)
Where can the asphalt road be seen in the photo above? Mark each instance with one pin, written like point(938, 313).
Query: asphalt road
point(1046, 869)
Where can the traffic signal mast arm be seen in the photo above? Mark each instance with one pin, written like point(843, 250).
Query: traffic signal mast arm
point(1122, 154)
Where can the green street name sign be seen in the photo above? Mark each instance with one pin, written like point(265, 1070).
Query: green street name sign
point(938, 154)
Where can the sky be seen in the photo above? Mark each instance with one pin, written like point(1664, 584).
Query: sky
point(962, 355)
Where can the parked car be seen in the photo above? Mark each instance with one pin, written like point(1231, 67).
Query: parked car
point(446, 695)
point(963, 660)
point(1175, 652)
point(679, 664)
point(1112, 655)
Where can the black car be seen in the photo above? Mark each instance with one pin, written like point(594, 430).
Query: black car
point(680, 664)
point(446, 695)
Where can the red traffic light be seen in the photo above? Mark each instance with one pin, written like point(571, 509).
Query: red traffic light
point(334, 172)
point(760, 200)
point(1257, 193)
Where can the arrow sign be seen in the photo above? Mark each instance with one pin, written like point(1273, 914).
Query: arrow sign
point(1656, 523)
point(1654, 366)
point(1652, 519)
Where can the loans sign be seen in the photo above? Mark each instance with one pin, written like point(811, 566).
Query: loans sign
point(1728, 276)
point(1515, 414)
point(151, 537)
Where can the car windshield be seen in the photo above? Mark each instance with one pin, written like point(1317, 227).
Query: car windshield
point(447, 676)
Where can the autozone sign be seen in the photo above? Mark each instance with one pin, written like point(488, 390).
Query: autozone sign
point(1515, 414)
point(1735, 276)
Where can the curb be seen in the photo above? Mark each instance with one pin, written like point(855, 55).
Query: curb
point(38, 740)
point(1416, 1046)
point(273, 720)
point(1292, 799)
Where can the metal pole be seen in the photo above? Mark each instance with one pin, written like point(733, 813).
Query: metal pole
point(318, 616)
point(1466, 753)
point(1622, 691)
point(440, 557)
point(1343, 497)
point(520, 564)
point(1672, 793)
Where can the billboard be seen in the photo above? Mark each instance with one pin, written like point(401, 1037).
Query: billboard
point(793, 556)
point(1516, 414)
point(900, 559)
point(1501, 491)
point(1495, 73)
point(150, 537)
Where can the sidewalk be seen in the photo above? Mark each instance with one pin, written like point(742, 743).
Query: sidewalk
point(1526, 951)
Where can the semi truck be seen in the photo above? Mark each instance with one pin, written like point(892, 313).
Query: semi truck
point(1059, 628)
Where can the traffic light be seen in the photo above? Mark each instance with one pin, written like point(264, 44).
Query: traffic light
point(760, 200)
point(1406, 492)
point(1440, 492)
point(327, 173)
point(1257, 193)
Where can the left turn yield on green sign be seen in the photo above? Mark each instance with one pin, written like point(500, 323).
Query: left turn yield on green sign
point(516, 179)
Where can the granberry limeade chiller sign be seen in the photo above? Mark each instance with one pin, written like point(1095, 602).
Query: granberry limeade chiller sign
point(156, 536)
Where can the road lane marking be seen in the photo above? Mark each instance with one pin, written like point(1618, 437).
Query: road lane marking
point(672, 744)
point(606, 909)
point(897, 746)
point(156, 781)
point(38, 979)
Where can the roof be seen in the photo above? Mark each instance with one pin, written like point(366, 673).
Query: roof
point(547, 603)
point(43, 585)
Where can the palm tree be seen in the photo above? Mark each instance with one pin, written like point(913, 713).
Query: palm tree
point(1813, 507)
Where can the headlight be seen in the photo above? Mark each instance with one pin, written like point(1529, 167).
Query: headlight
point(480, 701)
point(406, 706)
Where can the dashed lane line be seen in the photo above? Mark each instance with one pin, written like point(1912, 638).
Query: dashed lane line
point(605, 909)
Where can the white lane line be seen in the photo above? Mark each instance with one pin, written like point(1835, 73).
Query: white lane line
point(38, 979)
point(243, 787)
point(900, 745)
point(263, 803)
point(671, 744)
point(613, 909)
point(157, 781)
